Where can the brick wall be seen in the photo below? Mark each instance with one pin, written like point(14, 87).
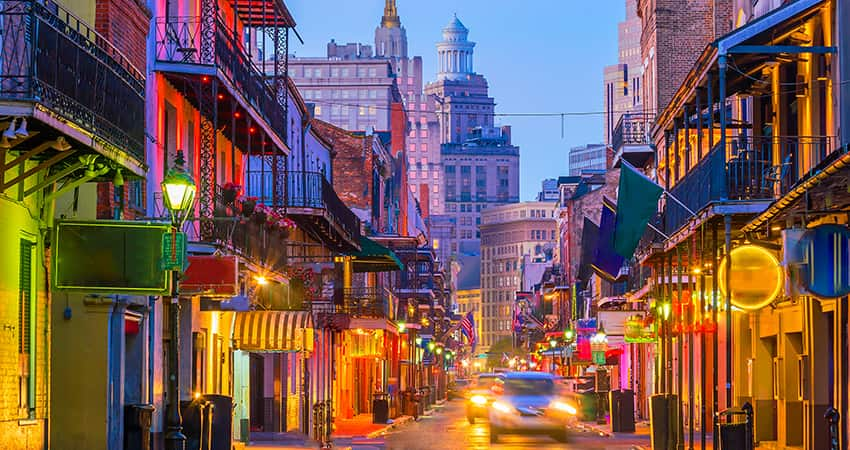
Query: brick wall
point(106, 202)
point(352, 164)
point(590, 206)
point(674, 34)
point(125, 24)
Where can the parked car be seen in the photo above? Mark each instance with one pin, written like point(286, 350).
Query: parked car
point(479, 396)
point(528, 403)
point(458, 388)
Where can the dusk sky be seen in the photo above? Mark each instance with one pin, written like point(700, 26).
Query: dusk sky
point(539, 56)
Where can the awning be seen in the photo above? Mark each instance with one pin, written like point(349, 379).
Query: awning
point(273, 331)
point(374, 257)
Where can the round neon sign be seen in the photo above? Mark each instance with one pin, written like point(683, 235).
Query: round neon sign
point(755, 280)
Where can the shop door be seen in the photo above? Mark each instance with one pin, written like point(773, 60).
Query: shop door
point(256, 392)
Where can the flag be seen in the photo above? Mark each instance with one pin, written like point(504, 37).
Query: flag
point(606, 261)
point(637, 202)
point(589, 238)
point(467, 327)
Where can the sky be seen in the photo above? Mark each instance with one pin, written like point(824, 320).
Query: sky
point(539, 56)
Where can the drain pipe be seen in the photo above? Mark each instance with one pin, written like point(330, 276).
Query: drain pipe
point(843, 16)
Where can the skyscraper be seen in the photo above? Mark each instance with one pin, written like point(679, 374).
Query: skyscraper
point(355, 85)
point(480, 164)
point(622, 80)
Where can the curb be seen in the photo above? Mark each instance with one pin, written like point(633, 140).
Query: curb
point(595, 430)
point(396, 422)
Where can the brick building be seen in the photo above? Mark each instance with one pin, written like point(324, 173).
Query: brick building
point(622, 81)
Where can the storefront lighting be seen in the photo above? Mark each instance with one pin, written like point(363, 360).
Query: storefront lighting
point(402, 327)
point(569, 334)
point(438, 350)
point(418, 340)
point(261, 280)
point(553, 343)
point(431, 346)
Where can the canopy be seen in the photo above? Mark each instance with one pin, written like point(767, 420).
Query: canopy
point(273, 331)
point(374, 257)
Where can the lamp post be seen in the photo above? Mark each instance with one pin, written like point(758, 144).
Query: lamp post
point(178, 193)
point(552, 344)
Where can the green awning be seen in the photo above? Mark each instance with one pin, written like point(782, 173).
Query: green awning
point(374, 257)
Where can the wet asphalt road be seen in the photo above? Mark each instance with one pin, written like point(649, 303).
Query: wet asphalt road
point(447, 429)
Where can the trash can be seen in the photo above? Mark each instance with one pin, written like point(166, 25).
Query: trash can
point(221, 425)
point(733, 436)
point(197, 418)
point(614, 403)
point(627, 411)
point(736, 432)
point(664, 422)
point(137, 426)
point(380, 408)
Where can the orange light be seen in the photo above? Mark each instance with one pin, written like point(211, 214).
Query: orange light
point(236, 114)
point(221, 96)
point(205, 79)
point(251, 130)
point(756, 277)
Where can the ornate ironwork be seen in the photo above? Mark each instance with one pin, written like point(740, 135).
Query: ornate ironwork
point(207, 92)
point(208, 41)
point(51, 57)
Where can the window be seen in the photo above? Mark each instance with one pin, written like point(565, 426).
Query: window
point(423, 147)
point(26, 398)
point(373, 110)
point(372, 72)
point(423, 133)
point(335, 72)
point(345, 72)
point(361, 111)
point(318, 110)
point(317, 73)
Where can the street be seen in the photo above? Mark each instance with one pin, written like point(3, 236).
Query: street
point(447, 429)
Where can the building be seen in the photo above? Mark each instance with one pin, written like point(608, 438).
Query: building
point(481, 173)
point(622, 89)
point(351, 89)
point(590, 157)
point(355, 86)
point(548, 190)
point(511, 235)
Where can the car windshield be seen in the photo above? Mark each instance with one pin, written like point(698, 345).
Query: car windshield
point(461, 383)
point(485, 382)
point(529, 386)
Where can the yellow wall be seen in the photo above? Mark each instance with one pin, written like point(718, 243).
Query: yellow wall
point(16, 430)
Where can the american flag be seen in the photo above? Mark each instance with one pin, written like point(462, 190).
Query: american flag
point(467, 327)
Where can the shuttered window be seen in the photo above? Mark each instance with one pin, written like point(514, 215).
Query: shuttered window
point(26, 399)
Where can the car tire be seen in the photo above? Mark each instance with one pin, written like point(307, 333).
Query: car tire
point(471, 420)
point(494, 434)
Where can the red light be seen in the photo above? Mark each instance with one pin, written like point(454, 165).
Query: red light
point(236, 114)
point(205, 79)
point(221, 96)
point(251, 130)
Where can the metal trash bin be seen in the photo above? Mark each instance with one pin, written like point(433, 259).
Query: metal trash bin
point(137, 426)
point(736, 433)
point(665, 428)
point(622, 409)
point(380, 408)
point(221, 424)
point(197, 419)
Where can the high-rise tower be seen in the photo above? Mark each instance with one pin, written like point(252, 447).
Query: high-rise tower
point(390, 36)
point(455, 52)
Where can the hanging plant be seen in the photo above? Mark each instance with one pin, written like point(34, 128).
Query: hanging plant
point(230, 192)
point(248, 205)
point(260, 213)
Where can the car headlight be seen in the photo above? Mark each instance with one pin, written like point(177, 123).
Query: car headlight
point(565, 407)
point(502, 407)
point(478, 399)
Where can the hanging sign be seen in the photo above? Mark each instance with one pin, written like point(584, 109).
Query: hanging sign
point(826, 251)
point(755, 280)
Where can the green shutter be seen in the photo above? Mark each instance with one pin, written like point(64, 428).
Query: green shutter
point(25, 297)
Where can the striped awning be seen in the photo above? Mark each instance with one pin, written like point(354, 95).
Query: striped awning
point(273, 331)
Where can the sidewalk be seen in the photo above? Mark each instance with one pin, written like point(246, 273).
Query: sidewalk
point(362, 426)
point(641, 429)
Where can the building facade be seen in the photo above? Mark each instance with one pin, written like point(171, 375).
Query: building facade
point(511, 235)
point(588, 158)
point(622, 89)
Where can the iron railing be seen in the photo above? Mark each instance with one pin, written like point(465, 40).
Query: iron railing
point(755, 169)
point(310, 190)
point(193, 40)
point(367, 302)
point(51, 57)
point(632, 129)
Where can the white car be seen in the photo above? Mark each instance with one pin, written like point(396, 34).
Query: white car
point(528, 403)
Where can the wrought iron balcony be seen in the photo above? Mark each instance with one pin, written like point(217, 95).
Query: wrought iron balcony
point(308, 196)
point(631, 138)
point(757, 169)
point(54, 59)
point(185, 43)
point(367, 302)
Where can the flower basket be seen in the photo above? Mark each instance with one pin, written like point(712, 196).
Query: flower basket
point(230, 192)
point(259, 214)
point(248, 206)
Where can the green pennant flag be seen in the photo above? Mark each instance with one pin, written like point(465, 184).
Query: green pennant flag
point(637, 202)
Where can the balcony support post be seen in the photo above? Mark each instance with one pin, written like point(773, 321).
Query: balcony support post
point(676, 172)
point(687, 139)
point(207, 92)
point(714, 341)
point(698, 100)
point(727, 223)
point(709, 81)
point(721, 64)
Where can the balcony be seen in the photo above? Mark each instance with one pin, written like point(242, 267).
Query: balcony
point(364, 302)
point(311, 201)
point(199, 49)
point(416, 285)
point(631, 139)
point(56, 69)
point(758, 170)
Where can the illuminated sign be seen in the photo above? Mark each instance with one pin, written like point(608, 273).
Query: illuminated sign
point(755, 279)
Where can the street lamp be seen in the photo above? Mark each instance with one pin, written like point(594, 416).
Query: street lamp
point(178, 193)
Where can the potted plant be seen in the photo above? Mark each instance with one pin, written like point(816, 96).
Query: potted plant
point(285, 226)
point(248, 205)
point(230, 192)
point(260, 213)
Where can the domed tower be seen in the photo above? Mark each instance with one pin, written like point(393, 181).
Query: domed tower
point(455, 52)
